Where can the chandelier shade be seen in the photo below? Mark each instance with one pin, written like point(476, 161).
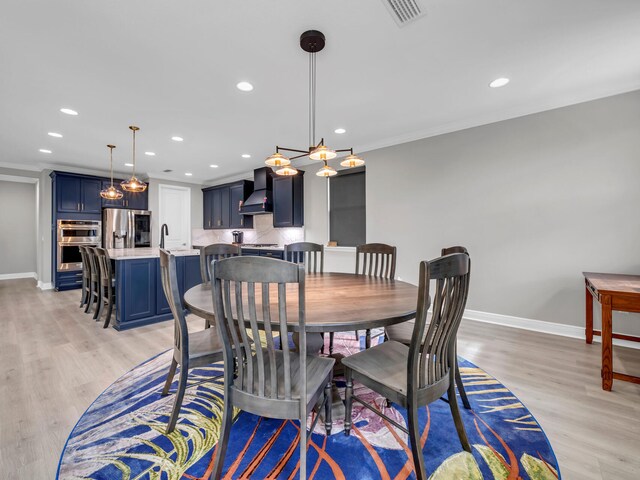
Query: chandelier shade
point(111, 192)
point(133, 184)
point(312, 42)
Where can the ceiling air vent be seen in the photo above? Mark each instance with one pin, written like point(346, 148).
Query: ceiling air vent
point(167, 171)
point(405, 11)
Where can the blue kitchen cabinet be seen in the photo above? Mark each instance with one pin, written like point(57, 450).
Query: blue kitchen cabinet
point(77, 194)
point(288, 200)
point(258, 252)
point(90, 195)
point(140, 298)
point(221, 206)
point(137, 200)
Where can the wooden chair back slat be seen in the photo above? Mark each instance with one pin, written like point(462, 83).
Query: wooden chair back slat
point(376, 259)
point(306, 253)
point(215, 251)
point(430, 354)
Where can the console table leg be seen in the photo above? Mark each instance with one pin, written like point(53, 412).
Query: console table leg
point(607, 344)
point(589, 315)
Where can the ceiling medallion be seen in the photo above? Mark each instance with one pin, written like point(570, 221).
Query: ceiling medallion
point(312, 41)
point(133, 184)
point(111, 192)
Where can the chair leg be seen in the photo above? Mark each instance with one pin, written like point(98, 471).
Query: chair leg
point(348, 401)
point(322, 349)
point(367, 339)
point(461, 390)
point(109, 311)
point(98, 302)
point(101, 306)
point(331, 334)
point(327, 407)
point(170, 375)
point(83, 299)
point(89, 298)
point(182, 386)
point(457, 419)
point(414, 439)
point(303, 441)
point(221, 449)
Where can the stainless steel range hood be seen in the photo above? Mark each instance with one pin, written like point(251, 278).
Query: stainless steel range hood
point(261, 200)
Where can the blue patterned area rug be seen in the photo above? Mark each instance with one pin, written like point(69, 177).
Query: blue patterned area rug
point(121, 435)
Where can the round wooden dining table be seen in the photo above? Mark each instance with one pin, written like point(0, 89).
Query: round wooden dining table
point(335, 302)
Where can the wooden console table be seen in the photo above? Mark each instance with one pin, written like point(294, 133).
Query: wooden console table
point(614, 292)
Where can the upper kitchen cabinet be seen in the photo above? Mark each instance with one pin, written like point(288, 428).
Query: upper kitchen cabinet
point(221, 204)
point(238, 194)
point(77, 193)
point(288, 200)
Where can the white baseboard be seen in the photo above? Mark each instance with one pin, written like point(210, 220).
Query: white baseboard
point(45, 286)
point(12, 276)
point(539, 326)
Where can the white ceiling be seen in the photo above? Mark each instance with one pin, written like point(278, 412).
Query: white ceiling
point(171, 67)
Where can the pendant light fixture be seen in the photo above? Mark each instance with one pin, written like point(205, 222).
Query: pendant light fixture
point(111, 192)
point(312, 41)
point(133, 184)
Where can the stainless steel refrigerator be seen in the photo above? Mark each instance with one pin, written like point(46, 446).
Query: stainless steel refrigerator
point(124, 228)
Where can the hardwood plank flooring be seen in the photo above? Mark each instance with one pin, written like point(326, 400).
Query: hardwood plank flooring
point(56, 360)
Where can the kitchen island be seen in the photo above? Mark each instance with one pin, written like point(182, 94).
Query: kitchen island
point(140, 299)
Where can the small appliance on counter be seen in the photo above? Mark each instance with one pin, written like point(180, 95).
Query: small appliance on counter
point(124, 228)
point(238, 237)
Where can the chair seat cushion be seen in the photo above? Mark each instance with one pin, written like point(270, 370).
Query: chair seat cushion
point(318, 370)
point(385, 364)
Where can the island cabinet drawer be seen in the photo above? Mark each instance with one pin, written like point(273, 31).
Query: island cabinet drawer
point(68, 280)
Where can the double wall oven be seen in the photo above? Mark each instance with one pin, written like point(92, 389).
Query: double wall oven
point(71, 235)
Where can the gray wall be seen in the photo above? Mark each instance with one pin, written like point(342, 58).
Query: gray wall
point(537, 200)
point(18, 253)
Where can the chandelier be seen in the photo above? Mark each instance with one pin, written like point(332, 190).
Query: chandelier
point(111, 192)
point(133, 184)
point(312, 41)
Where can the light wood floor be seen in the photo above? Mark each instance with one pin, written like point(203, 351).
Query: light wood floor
point(55, 361)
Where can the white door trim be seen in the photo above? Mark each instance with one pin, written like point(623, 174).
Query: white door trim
point(162, 187)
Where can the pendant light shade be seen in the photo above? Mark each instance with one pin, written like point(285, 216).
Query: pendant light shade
point(133, 184)
point(286, 171)
point(326, 171)
point(351, 161)
point(277, 160)
point(322, 153)
point(111, 192)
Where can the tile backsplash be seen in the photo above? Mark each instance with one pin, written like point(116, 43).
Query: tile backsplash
point(262, 232)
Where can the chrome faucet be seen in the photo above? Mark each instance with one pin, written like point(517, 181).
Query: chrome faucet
point(164, 230)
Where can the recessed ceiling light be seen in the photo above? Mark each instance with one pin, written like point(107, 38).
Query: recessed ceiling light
point(213, 166)
point(188, 174)
point(499, 82)
point(177, 139)
point(246, 155)
point(151, 154)
point(44, 150)
point(340, 130)
point(244, 86)
point(68, 111)
point(128, 164)
point(54, 134)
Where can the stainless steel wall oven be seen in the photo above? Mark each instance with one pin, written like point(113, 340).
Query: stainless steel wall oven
point(72, 234)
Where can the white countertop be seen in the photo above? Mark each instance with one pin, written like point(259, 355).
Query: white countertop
point(279, 248)
point(152, 252)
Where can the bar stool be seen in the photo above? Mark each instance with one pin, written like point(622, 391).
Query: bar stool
point(94, 283)
point(86, 276)
point(107, 293)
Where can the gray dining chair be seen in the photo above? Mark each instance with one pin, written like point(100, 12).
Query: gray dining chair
point(86, 277)
point(309, 254)
point(401, 332)
point(377, 260)
point(215, 251)
point(95, 296)
point(190, 350)
point(268, 382)
point(106, 284)
point(418, 374)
